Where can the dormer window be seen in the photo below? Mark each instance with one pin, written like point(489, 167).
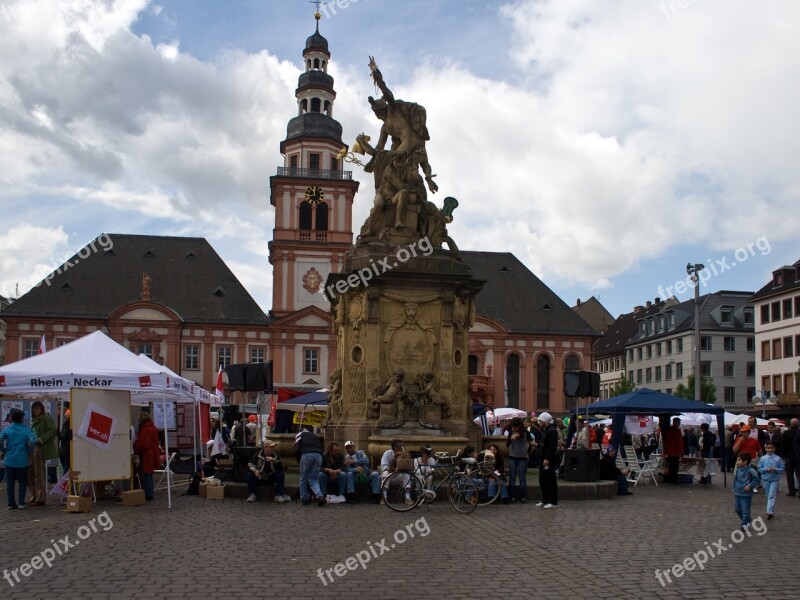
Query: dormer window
point(726, 314)
point(219, 292)
point(777, 279)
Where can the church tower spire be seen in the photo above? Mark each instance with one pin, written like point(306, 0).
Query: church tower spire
point(312, 194)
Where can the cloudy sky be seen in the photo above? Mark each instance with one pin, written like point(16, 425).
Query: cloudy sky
point(605, 142)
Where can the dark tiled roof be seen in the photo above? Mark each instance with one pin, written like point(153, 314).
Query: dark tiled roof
point(710, 314)
point(595, 314)
point(625, 327)
point(187, 276)
point(791, 282)
point(518, 299)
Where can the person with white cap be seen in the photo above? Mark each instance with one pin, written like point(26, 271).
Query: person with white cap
point(548, 480)
point(356, 464)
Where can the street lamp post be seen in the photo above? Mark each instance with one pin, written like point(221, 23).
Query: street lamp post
point(693, 270)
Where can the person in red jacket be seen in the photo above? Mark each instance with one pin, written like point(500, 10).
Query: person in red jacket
point(147, 447)
point(673, 450)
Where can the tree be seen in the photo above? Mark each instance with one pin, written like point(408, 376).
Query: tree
point(708, 391)
point(623, 386)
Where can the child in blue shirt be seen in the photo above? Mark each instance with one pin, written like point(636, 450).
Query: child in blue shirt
point(745, 480)
point(770, 466)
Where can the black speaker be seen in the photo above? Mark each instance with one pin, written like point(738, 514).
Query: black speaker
point(250, 377)
point(584, 384)
point(581, 465)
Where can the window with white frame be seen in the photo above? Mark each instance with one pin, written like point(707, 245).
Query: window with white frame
point(191, 357)
point(257, 354)
point(311, 360)
point(224, 356)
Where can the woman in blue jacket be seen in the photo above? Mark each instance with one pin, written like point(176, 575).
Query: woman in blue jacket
point(19, 441)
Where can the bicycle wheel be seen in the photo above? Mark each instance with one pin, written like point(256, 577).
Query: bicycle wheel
point(488, 488)
point(463, 494)
point(402, 491)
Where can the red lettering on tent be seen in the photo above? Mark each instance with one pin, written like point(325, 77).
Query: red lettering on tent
point(144, 381)
point(2, 379)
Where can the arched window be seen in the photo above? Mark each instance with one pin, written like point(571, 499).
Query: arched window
point(472, 365)
point(543, 381)
point(303, 106)
point(305, 216)
point(308, 65)
point(327, 108)
point(315, 104)
point(322, 216)
point(316, 63)
point(512, 380)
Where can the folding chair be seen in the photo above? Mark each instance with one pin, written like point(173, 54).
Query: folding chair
point(167, 472)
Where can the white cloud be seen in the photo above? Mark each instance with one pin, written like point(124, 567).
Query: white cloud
point(622, 132)
point(28, 253)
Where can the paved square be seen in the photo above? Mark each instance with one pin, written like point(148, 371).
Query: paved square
point(231, 549)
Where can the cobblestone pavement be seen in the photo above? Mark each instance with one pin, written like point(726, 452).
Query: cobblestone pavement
point(228, 548)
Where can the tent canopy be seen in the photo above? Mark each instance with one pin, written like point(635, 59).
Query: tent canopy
point(307, 402)
point(649, 402)
point(92, 361)
point(645, 401)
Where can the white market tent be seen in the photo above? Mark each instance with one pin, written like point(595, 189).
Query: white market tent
point(93, 361)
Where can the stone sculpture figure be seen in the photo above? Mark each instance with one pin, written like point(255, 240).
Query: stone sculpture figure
point(405, 122)
point(429, 395)
point(334, 396)
point(392, 391)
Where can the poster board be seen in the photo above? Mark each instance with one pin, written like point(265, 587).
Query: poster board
point(163, 412)
point(101, 423)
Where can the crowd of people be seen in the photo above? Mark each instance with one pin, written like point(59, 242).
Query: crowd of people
point(25, 452)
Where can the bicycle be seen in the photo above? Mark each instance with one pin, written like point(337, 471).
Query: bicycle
point(406, 487)
point(488, 481)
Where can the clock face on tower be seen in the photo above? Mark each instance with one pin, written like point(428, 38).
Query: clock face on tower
point(314, 195)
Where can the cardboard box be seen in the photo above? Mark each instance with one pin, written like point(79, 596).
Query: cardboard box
point(132, 498)
point(216, 492)
point(79, 504)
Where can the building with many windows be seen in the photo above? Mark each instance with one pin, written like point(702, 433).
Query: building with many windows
point(661, 354)
point(609, 351)
point(777, 333)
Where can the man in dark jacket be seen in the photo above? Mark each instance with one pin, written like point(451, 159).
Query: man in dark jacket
point(548, 482)
point(609, 471)
point(265, 468)
point(787, 453)
point(308, 451)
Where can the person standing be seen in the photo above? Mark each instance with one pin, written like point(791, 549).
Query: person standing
point(308, 451)
point(65, 439)
point(45, 431)
point(18, 441)
point(673, 450)
point(786, 451)
point(147, 447)
point(770, 466)
point(745, 479)
point(707, 441)
point(548, 480)
point(519, 444)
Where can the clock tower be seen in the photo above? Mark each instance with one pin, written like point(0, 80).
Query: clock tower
point(312, 194)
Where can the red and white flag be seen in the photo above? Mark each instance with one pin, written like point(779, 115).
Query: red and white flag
point(220, 394)
point(42, 346)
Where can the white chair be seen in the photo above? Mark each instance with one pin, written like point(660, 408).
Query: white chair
point(167, 472)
